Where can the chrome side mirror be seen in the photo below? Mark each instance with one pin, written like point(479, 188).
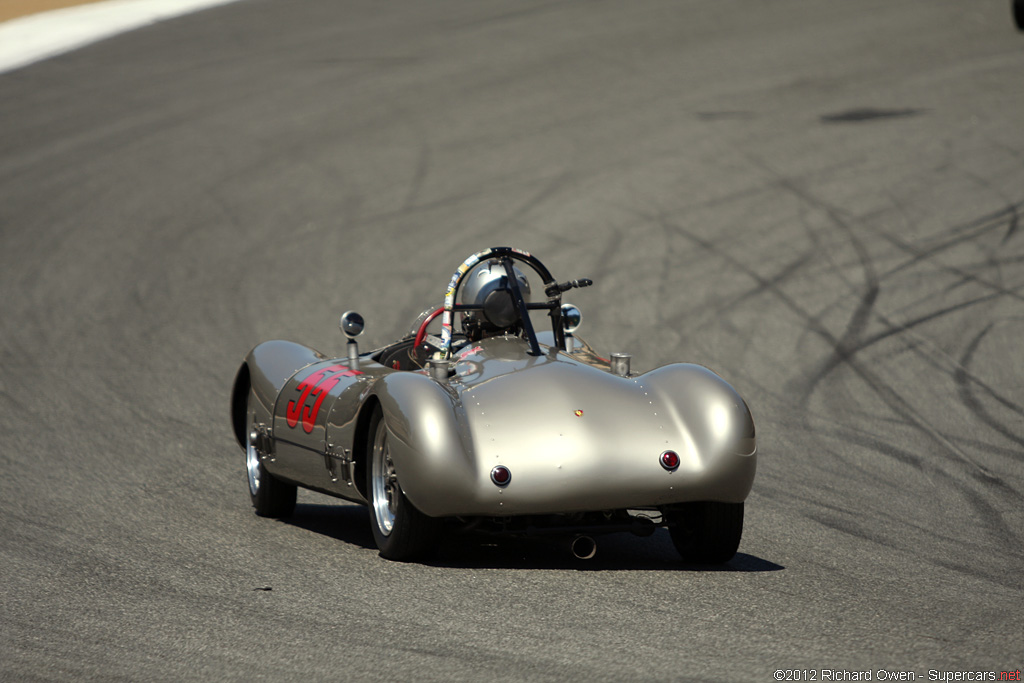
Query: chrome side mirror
point(351, 325)
point(571, 319)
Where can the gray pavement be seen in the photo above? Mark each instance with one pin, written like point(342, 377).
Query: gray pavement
point(820, 201)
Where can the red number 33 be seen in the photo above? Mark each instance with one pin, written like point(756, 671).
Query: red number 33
point(315, 387)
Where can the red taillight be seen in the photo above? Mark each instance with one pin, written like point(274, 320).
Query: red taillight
point(670, 460)
point(501, 475)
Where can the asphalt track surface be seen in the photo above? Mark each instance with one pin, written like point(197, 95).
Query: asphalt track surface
point(820, 201)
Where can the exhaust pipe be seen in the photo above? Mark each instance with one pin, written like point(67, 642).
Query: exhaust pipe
point(584, 547)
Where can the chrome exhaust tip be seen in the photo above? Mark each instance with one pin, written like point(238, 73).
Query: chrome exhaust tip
point(584, 547)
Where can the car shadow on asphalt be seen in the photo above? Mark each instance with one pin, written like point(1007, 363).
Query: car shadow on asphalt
point(346, 522)
point(350, 523)
point(615, 552)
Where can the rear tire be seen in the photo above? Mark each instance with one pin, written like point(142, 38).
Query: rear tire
point(270, 496)
point(707, 532)
point(401, 531)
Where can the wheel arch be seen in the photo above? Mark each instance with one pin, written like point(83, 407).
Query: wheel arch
point(239, 403)
point(432, 452)
point(361, 441)
point(264, 372)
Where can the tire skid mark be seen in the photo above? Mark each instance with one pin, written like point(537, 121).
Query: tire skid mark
point(1011, 211)
point(979, 501)
point(1011, 229)
point(940, 294)
point(959, 234)
point(927, 255)
point(906, 411)
point(960, 372)
point(789, 271)
point(761, 284)
point(768, 285)
point(845, 355)
point(969, 378)
point(992, 518)
point(845, 346)
point(990, 220)
point(934, 532)
point(857, 523)
point(872, 442)
point(896, 329)
point(696, 315)
point(845, 349)
point(987, 446)
point(965, 381)
point(927, 467)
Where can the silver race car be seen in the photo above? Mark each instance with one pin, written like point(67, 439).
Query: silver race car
point(497, 427)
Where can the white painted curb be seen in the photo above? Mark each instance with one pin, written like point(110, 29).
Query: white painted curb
point(39, 36)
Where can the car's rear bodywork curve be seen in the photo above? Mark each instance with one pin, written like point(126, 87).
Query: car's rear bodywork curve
point(575, 438)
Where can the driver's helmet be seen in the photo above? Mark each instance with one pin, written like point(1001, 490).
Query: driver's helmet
point(487, 285)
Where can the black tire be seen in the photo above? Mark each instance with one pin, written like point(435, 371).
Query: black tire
point(270, 496)
point(1018, 14)
point(707, 533)
point(401, 532)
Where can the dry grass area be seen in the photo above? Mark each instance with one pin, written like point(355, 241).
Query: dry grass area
point(9, 9)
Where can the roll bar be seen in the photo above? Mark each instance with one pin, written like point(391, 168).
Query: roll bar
point(505, 256)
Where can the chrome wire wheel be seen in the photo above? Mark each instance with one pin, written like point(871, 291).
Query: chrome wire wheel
point(384, 482)
point(252, 464)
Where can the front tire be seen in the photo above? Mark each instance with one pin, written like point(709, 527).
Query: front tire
point(1018, 14)
point(270, 496)
point(707, 532)
point(401, 531)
